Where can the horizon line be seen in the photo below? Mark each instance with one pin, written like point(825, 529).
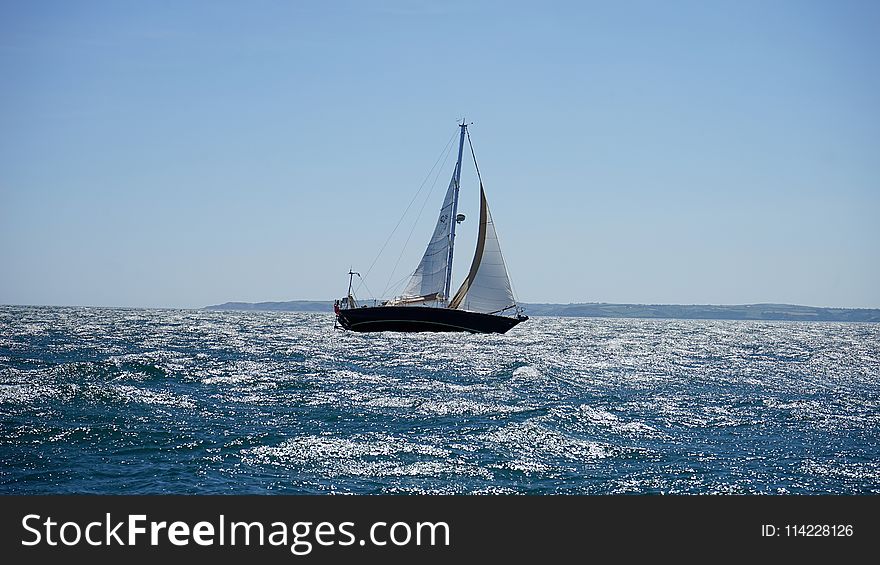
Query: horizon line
point(330, 301)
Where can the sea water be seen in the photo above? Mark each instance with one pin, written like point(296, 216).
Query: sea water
point(137, 401)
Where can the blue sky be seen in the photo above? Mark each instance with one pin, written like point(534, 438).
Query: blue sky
point(179, 154)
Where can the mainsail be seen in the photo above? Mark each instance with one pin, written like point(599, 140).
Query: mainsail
point(487, 287)
point(429, 279)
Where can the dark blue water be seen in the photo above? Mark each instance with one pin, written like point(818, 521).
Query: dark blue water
point(163, 401)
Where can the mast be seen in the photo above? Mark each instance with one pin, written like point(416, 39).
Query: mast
point(453, 222)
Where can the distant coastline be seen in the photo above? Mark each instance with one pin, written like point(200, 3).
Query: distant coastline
point(788, 312)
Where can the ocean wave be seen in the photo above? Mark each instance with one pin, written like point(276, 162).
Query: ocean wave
point(195, 401)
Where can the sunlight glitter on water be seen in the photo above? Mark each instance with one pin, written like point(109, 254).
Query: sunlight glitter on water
point(199, 401)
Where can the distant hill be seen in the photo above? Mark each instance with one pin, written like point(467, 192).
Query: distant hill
point(708, 312)
point(290, 306)
point(603, 310)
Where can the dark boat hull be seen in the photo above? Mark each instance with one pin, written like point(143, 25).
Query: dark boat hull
point(423, 319)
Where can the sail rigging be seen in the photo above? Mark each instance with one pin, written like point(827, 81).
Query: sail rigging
point(487, 287)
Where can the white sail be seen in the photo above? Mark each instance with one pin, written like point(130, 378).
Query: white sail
point(487, 287)
point(429, 280)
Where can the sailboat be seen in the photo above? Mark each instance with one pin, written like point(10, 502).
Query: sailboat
point(484, 303)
